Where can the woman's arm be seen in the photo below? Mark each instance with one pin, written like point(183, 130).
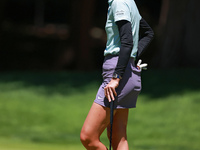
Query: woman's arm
point(146, 35)
point(126, 38)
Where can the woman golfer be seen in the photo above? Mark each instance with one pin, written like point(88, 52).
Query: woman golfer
point(128, 35)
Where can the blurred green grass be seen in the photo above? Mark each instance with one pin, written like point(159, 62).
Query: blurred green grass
point(40, 110)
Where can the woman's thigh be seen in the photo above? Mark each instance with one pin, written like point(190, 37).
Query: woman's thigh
point(120, 121)
point(96, 121)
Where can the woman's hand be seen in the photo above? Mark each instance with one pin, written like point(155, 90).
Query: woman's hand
point(110, 91)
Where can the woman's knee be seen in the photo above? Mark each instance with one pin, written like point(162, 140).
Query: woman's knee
point(85, 137)
point(89, 141)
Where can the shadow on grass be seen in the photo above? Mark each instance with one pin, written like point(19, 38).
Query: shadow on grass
point(162, 83)
point(156, 83)
point(51, 82)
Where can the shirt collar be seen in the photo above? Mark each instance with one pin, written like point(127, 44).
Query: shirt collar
point(110, 1)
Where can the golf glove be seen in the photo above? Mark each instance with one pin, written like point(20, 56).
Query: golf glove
point(141, 66)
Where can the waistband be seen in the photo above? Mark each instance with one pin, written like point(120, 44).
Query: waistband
point(109, 56)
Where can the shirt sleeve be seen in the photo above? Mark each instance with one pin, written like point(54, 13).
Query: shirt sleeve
point(121, 10)
point(146, 35)
point(126, 39)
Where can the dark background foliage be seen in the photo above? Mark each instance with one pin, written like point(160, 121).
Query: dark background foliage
point(69, 35)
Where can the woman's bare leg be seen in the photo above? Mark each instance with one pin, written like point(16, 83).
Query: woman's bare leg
point(119, 136)
point(97, 120)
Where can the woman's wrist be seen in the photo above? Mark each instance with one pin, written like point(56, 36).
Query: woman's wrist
point(116, 76)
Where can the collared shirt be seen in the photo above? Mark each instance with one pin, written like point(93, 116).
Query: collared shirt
point(121, 10)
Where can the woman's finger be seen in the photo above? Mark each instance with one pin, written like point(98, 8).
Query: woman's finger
point(108, 94)
point(114, 91)
point(111, 93)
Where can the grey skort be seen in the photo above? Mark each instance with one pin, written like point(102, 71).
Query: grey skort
point(129, 86)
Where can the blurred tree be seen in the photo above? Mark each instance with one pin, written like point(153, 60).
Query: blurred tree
point(82, 12)
point(75, 27)
point(179, 41)
point(87, 12)
point(39, 13)
point(163, 14)
point(2, 6)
